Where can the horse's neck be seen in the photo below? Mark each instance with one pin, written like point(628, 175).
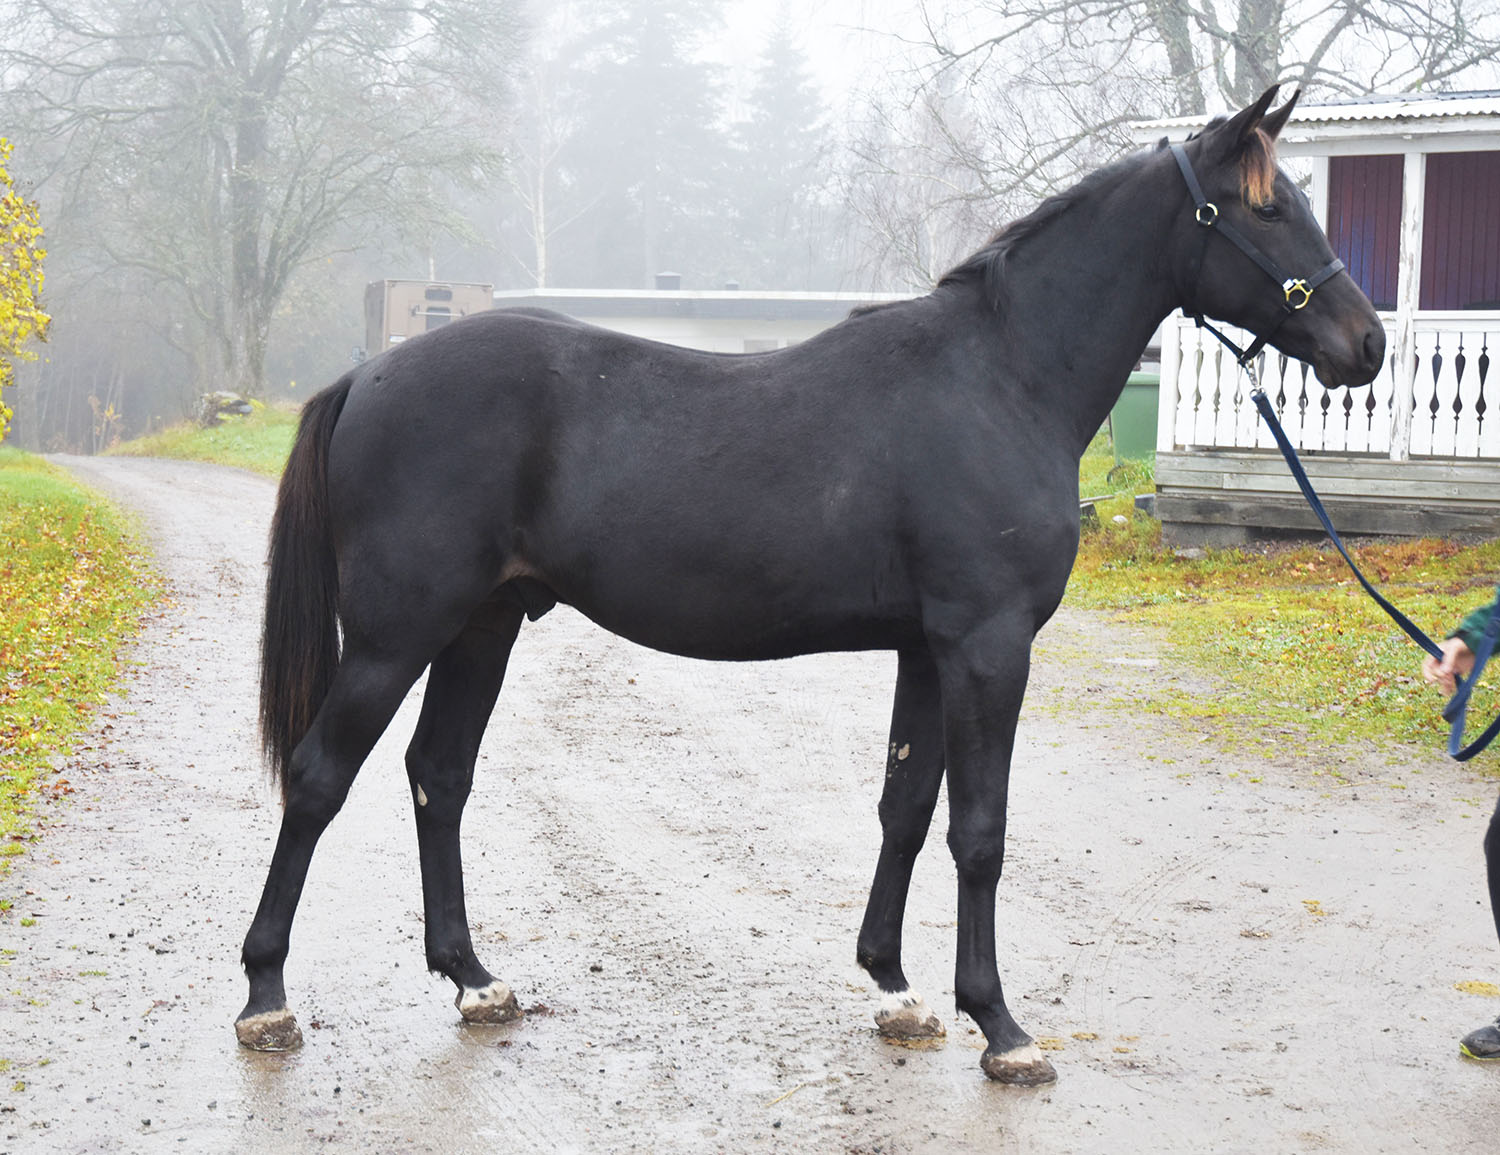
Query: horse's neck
point(1085, 295)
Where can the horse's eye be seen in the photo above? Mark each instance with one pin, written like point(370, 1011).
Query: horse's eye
point(1268, 212)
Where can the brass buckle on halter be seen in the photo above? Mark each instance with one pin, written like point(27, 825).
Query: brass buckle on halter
point(1297, 286)
point(1212, 210)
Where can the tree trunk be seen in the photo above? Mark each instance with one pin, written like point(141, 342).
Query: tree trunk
point(245, 370)
point(247, 322)
point(1171, 20)
point(1257, 48)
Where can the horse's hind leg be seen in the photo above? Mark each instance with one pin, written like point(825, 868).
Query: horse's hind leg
point(360, 704)
point(461, 690)
point(913, 773)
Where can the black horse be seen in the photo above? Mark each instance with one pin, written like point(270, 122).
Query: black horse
point(907, 480)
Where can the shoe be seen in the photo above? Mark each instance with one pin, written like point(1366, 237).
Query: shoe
point(1483, 1043)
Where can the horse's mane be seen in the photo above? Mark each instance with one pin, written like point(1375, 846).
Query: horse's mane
point(987, 265)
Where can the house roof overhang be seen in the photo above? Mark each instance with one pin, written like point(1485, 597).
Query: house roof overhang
point(1414, 122)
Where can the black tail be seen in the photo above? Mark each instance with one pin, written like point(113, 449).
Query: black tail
point(299, 646)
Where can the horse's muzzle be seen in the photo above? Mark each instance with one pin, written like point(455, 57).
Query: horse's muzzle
point(1360, 362)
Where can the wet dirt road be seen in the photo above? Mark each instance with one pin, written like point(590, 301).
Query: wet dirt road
point(668, 861)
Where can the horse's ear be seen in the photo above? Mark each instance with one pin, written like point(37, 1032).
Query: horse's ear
point(1276, 121)
point(1232, 135)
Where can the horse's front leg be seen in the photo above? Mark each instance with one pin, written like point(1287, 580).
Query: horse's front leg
point(462, 686)
point(913, 773)
point(984, 679)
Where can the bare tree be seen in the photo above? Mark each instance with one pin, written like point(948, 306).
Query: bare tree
point(1004, 102)
point(217, 146)
point(933, 172)
point(1232, 50)
point(545, 202)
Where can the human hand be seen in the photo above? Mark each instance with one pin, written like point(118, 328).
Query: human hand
point(1457, 659)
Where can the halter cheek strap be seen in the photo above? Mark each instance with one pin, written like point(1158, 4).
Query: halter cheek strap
point(1296, 291)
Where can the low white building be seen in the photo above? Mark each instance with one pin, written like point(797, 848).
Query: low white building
point(719, 320)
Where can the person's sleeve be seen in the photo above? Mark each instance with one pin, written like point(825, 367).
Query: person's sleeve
point(1471, 629)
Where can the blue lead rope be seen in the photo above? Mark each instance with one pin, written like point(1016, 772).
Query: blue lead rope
point(1454, 713)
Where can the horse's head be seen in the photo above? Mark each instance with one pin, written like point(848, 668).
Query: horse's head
point(1293, 293)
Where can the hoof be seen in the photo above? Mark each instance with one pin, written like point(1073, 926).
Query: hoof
point(906, 1015)
point(1023, 1066)
point(269, 1031)
point(492, 1004)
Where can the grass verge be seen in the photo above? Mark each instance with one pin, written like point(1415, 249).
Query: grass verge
point(1289, 631)
point(74, 581)
point(260, 441)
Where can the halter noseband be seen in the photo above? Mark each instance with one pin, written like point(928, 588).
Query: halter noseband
point(1296, 291)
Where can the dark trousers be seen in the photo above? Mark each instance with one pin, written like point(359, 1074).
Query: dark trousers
point(1492, 864)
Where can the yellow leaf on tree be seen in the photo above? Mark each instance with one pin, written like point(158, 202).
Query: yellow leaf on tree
point(21, 316)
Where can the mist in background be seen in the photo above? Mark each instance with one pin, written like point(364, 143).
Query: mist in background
point(220, 178)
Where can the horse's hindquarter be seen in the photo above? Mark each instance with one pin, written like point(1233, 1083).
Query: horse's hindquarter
point(729, 507)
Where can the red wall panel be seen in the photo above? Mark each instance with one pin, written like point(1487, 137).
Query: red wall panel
point(1461, 232)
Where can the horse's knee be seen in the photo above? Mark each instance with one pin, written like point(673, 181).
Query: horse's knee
point(903, 832)
point(978, 848)
point(438, 793)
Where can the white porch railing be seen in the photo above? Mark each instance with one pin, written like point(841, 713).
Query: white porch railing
point(1205, 398)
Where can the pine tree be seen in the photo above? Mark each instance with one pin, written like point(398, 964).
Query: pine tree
point(646, 153)
point(781, 150)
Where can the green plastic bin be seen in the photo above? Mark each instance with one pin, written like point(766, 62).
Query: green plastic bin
point(1132, 422)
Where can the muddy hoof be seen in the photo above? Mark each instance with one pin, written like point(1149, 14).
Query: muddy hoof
point(269, 1031)
point(1023, 1066)
point(907, 1016)
point(492, 1004)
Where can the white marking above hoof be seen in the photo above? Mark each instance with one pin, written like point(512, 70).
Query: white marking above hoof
point(269, 1031)
point(906, 1015)
point(492, 1004)
point(1023, 1066)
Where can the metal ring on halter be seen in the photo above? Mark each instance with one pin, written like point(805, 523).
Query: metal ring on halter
point(1213, 213)
point(1297, 286)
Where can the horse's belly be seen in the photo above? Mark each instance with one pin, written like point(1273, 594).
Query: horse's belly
point(740, 622)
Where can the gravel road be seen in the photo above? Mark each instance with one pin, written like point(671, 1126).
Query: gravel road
point(1227, 950)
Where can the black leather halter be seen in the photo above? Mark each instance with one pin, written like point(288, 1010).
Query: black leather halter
point(1296, 291)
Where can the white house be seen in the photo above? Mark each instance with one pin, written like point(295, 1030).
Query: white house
point(1408, 189)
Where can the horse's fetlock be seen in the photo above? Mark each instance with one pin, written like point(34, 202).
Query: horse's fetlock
point(263, 953)
point(882, 965)
point(448, 954)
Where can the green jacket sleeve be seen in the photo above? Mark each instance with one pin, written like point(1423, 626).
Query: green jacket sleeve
point(1471, 629)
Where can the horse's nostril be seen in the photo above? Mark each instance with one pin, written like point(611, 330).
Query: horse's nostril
point(1374, 347)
